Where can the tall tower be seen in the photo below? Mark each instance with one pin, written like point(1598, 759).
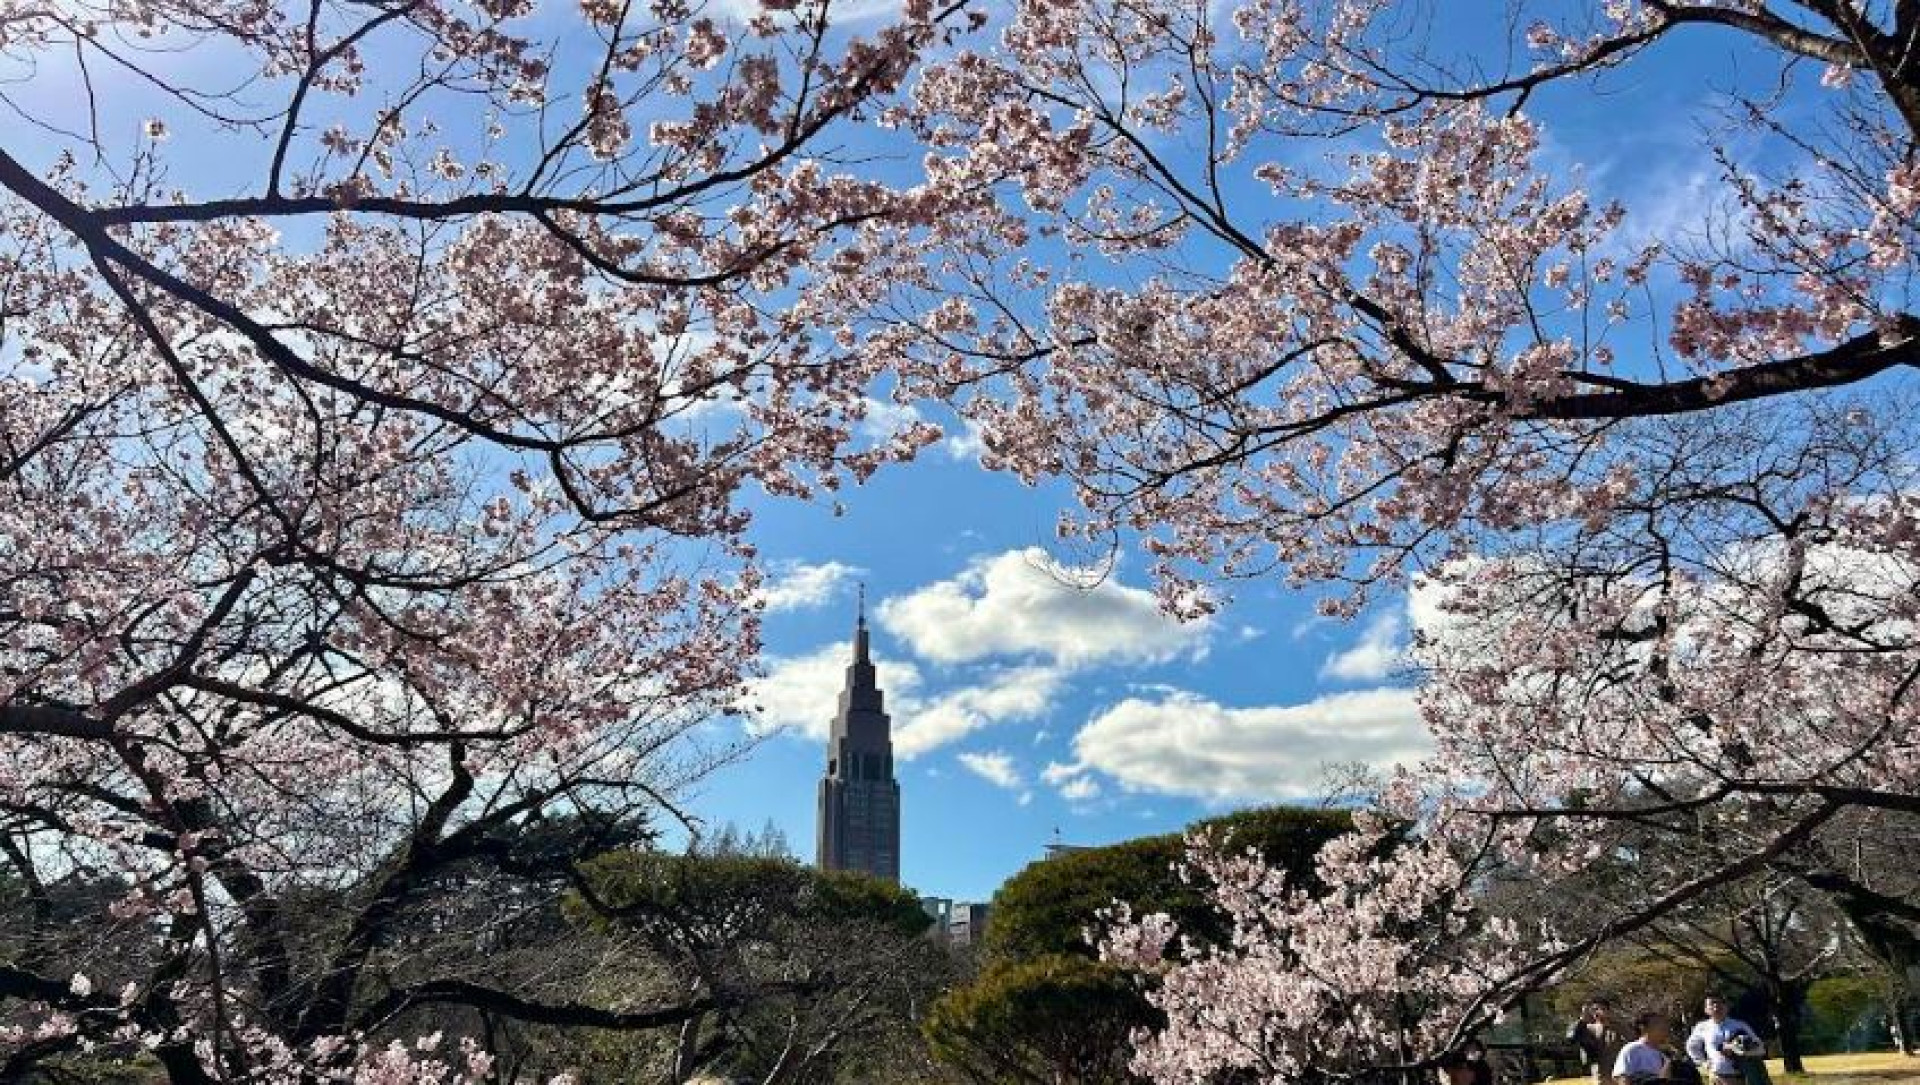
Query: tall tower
point(859, 798)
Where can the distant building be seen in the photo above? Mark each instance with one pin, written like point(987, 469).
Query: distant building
point(859, 816)
point(963, 923)
point(967, 925)
point(1056, 850)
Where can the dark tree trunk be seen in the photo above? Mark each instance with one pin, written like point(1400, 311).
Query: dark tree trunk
point(1901, 1020)
point(1788, 1005)
point(1786, 1030)
point(1889, 941)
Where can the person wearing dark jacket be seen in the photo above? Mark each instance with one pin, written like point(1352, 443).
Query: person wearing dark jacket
point(1599, 1038)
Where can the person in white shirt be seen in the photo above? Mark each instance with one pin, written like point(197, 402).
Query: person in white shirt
point(1706, 1044)
point(1645, 1059)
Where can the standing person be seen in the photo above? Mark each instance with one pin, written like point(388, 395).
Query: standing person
point(1599, 1038)
point(1645, 1059)
point(1476, 1055)
point(1722, 1044)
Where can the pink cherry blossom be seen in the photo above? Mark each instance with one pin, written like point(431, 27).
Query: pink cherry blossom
point(387, 496)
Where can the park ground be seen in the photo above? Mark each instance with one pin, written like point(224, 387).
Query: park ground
point(1871, 1068)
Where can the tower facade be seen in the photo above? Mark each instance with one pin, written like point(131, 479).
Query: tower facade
point(859, 797)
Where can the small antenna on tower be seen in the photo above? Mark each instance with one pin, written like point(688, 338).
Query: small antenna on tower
point(863, 603)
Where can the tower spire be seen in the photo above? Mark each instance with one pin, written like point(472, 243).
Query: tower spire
point(859, 795)
point(860, 638)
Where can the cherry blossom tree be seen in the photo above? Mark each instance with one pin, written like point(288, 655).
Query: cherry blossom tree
point(1291, 286)
point(379, 383)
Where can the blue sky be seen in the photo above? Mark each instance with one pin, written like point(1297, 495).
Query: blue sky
point(1122, 741)
point(1023, 705)
point(998, 670)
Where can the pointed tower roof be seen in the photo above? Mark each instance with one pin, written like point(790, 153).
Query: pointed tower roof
point(859, 794)
point(860, 645)
point(862, 716)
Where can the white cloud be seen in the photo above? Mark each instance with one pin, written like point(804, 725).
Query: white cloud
point(1001, 696)
point(1308, 625)
point(967, 443)
point(1385, 647)
point(1012, 627)
point(1073, 782)
point(799, 694)
point(1080, 789)
point(1680, 206)
point(1184, 744)
point(997, 768)
point(1427, 607)
point(883, 420)
point(797, 585)
point(1380, 651)
point(1021, 603)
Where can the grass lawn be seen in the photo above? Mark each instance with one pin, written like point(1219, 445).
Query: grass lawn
point(1873, 1068)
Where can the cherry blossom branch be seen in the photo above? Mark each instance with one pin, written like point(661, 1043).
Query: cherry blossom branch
point(53, 721)
point(315, 62)
point(1770, 27)
point(1542, 970)
point(506, 1004)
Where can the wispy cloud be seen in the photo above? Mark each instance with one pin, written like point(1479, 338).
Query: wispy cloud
point(1185, 744)
point(1023, 604)
point(1380, 651)
point(798, 694)
point(997, 768)
point(1001, 642)
point(797, 585)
